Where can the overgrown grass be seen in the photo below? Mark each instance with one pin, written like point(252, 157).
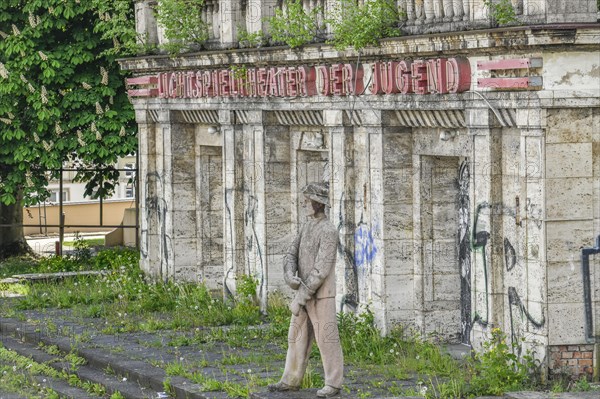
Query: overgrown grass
point(92, 242)
point(18, 265)
point(124, 300)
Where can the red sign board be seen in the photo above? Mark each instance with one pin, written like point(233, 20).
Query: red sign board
point(435, 76)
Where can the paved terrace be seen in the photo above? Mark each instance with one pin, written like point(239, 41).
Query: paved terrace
point(134, 363)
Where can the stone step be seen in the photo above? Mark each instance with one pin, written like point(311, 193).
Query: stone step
point(45, 277)
point(10, 395)
point(149, 379)
point(111, 383)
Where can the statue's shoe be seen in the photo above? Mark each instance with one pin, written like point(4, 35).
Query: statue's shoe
point(281, 387)
point(328, 392)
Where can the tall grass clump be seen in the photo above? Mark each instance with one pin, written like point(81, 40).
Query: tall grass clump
point(122, 292)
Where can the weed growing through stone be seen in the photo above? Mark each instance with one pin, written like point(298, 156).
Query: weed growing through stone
point(243, 345)
point(497, 369)
point(17, 373)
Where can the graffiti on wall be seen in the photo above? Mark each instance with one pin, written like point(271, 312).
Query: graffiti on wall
point(351, 297)
point(510, 255)
point(464, 251)
point(252, 241)
point(156, 215)
point(229, 271)
point(479, 241)
point(357, 259)
point(364, 245)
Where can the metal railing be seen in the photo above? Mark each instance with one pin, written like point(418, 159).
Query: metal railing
point(62, 225)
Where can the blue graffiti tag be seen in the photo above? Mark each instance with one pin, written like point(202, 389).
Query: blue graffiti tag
point(364, 245)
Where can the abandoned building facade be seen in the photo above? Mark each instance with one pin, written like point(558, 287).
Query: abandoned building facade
point(463, 163)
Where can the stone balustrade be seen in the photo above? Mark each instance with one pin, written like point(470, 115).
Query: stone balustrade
point(225, 18)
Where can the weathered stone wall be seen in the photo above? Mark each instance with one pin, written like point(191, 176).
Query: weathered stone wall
point(572, 209)
point(457, 213)
point(398, 224)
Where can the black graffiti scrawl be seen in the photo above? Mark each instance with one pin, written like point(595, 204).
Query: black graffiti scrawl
point(156, 215)
point(464, 251)
point(351, 297)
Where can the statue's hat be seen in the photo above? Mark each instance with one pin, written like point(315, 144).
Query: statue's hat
point(318, 192)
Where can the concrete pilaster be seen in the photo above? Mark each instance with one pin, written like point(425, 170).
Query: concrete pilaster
point(254, 203)
point(183, 208)
point(149, 260)
point(486, 259)
point(145, 22)
point(233, 215)
point(162, 206)
point(369, 238)
point(342, 194)
point(230, 14)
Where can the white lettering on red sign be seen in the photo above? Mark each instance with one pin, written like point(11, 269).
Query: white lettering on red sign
point(433, 76)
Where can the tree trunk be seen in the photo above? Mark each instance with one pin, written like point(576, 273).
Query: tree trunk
point(12, 239)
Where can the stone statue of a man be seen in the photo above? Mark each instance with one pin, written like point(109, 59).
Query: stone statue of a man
point(309, 269)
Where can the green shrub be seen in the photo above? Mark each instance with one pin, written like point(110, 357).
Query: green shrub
point(183, 24)
point(293, 25)
point(502, 12)
point(358, 26)
point(498, 369)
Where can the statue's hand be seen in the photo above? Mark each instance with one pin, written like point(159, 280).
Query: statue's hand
point(303, 295)
point(294, 282)
point(295, 307)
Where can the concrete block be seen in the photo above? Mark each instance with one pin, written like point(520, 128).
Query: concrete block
point(444, 324)
point(570, 198)
point(570, 11)
point(277, 231)
point(445, 220)
point(565, 283)
point(187, 273)
point(398, 222)
point(212, 225)
point(216, 201)
point(333, 117)
point(564, 239)
point(527, 117)
point(212, 276)
point(536, 288)
point(400, 292)
point(184, 224)
point(397, 151)
point(573, 125)
point(511, 156)
point(185, 252)
point(397, 185)
point(185, 196)
point(446, 287)
point(184, 169)
point(277, 177)
point(443, 255)
point(566, 323)
point(534, 159)
point(277, 144)
point(277, 208)
point(569, 160)
point(182, 140)
point(403, 319)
